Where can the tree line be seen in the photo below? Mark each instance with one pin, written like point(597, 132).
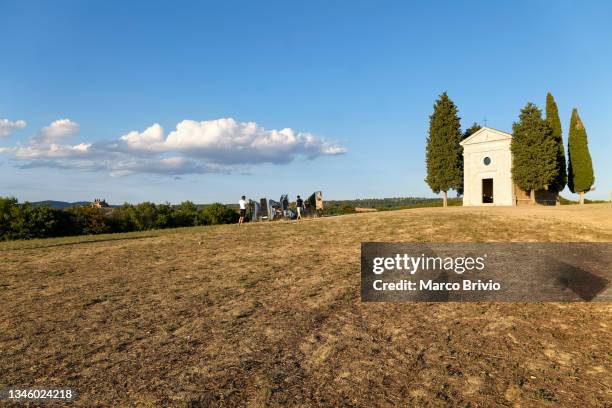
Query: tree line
point(538, 153)
point(27, 221)
point(387, 203)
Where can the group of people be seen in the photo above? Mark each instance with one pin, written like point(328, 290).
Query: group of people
point(299, 204)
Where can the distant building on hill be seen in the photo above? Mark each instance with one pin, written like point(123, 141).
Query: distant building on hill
point(97, 203)
point(487, 172)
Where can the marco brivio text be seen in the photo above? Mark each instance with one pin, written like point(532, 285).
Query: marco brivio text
point(414, 264)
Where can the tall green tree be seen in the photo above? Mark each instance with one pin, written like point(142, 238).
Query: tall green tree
point(444, 156)
point(534, 151)
point(467, 133)
point(552, 116)
point(471, 130)
point(580, 169)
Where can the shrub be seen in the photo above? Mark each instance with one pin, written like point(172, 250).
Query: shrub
point(187, 214)
point(121, 219)
point(164, 216)
point(26, 221)
point(143, 216)
point(88, 220)
point(8, 212)
point(338, 209)
point(218, 213)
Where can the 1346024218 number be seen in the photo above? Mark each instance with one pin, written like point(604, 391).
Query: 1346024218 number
point(15, 394)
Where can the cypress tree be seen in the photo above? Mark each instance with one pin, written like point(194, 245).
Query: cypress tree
point(580, 169)
point(444, 155)
point(468, 132)
point(471, 130)
point(534, 151)
point(552, 116)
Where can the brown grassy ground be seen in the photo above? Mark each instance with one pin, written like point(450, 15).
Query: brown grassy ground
point(269, 315)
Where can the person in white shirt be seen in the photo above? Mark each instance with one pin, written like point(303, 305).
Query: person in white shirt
point(242, 203)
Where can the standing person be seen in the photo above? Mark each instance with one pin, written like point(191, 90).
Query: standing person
point(299, 204)
point(242, 203)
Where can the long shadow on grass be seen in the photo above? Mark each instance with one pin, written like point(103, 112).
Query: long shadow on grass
point(93, 241)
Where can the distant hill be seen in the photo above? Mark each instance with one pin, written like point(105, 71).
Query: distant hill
point(61, 205)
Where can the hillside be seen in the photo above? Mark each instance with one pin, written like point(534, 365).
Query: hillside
point(269, 314)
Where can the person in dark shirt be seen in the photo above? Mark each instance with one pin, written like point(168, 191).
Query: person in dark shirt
point(299, 203)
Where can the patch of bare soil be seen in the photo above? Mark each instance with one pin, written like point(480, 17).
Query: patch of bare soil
point(269, 315)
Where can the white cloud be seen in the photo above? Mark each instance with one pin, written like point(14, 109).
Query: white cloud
point(119, 164)
point(230, 142)
point(7, 127)
point(221, 145)
point(37, 150)
point(59, 129)
point(150, 137)
point(171, 166)
point(334, 150)
point(47, 143)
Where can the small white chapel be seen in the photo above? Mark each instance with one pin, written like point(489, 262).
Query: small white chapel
point(487, 172)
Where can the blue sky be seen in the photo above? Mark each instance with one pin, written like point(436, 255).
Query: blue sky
point(353, 81)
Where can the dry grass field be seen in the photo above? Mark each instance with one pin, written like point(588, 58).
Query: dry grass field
point(269, 314)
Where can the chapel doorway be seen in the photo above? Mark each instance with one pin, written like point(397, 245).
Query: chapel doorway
point(487, 191)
